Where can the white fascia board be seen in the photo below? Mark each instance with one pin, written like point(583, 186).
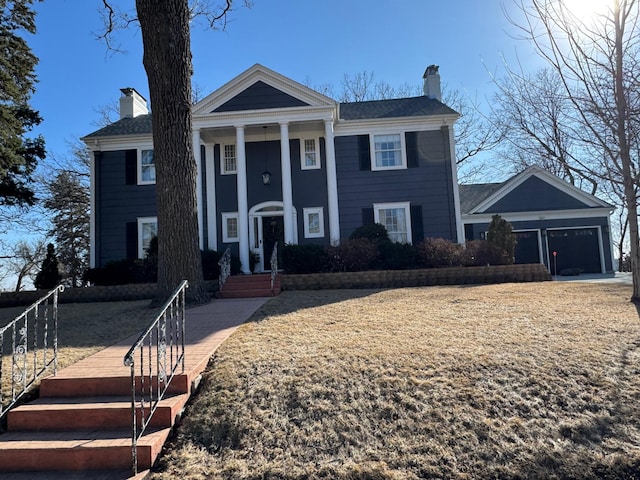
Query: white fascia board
point(263, 116)
point(118, 142)
point(539, 215)
point(260, 73)
point(361, 127)
point(565, 187)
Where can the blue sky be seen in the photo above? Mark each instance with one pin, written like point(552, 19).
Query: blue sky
point(311, 41)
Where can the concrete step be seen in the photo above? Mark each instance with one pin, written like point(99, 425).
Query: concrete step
point(88, 413)
point(77, 450)
point(79, 386)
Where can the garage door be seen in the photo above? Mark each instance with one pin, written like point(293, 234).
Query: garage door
point(575, 248)
point(527, 248)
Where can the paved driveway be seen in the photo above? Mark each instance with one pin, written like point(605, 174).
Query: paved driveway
point(618, 277)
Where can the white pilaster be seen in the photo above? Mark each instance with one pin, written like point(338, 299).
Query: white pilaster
point(287, 189)
point(212, 231)
point(92, 208)
point(199, 180)
point(332, 184)
point(243, 209)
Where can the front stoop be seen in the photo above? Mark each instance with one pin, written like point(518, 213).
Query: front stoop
point(250, 286)
point(70, 432)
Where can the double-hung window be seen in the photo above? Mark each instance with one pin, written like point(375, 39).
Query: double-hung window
point(396, 218)
point(229, 162)
point(309, 155)
point(230, 227)
point(146, 167)
point(147, 229)
point(388, 152)
point(313, 222)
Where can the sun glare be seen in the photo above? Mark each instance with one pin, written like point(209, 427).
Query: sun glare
point(586, 9)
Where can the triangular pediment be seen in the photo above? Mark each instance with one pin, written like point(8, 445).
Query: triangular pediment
point(535, 189)
point(260, 88)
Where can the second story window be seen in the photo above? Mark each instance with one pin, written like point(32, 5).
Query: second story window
point(229, 161)
point(387, 152)
point(310, 155)
point(146, 167)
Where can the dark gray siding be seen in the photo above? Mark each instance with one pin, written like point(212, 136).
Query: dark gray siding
point(258, 96)
point(426, 183)
point(117, 204)
point(535, 194)
point(309, 186)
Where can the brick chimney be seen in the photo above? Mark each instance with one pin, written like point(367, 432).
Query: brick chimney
point(432, 83)
point(132, 103)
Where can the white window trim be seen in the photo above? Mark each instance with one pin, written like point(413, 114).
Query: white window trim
point(306, 213)
point(403, 151)
point(407, 208)
point(139, 167)
point(223, 171)
point(303, 165)
point(141, 222)
point(225, 233)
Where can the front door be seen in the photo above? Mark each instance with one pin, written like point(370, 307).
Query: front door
point(272, 232)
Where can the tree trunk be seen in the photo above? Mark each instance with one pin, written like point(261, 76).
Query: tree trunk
point(167, 61)
point(625, 154)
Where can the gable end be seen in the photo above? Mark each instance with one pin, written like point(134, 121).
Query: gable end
point(259, 96)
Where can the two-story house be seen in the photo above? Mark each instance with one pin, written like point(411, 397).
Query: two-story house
point(278, 161)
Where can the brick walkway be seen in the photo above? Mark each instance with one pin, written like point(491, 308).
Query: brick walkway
point(207, 327)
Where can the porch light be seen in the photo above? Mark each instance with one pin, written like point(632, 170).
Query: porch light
point(266, 178)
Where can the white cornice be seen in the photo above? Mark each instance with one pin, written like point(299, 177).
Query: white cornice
point(260, 117)
point(539, 215)
point(118, 142)
point(360, 127)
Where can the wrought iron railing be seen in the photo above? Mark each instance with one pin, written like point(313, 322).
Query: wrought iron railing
point(160, 351)
point(32, 338)
point(225, 268)
point(274, 265)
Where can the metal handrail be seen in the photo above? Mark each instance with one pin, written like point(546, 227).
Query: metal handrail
point(24, 372)
point(163, 337)
point(274, 265)
point(225, 268)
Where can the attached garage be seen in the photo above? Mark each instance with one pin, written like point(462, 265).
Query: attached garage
point(547, 215)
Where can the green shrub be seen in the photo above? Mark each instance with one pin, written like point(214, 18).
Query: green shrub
point(397, 256)
point(353, 255)
point(481, 252)
point(500, 234)
point(49, 274)
point(438, 253)
point(304, 258)
point(375, 232)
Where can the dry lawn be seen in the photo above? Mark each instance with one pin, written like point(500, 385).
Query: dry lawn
point(504, 381)
point(83, 329)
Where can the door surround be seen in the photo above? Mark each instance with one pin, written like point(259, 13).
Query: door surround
point(256, 214)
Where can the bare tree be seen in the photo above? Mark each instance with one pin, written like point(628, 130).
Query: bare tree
point(24, 260)
point(598, 63)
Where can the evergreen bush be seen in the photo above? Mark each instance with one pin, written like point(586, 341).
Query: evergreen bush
point(308, 258)
point(49, 274)
point(438, 253)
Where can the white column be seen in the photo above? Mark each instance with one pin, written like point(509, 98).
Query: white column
point(212, 231)
point(243, 209)
point(287, 189)
point(332, 184)
point(199, 180)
